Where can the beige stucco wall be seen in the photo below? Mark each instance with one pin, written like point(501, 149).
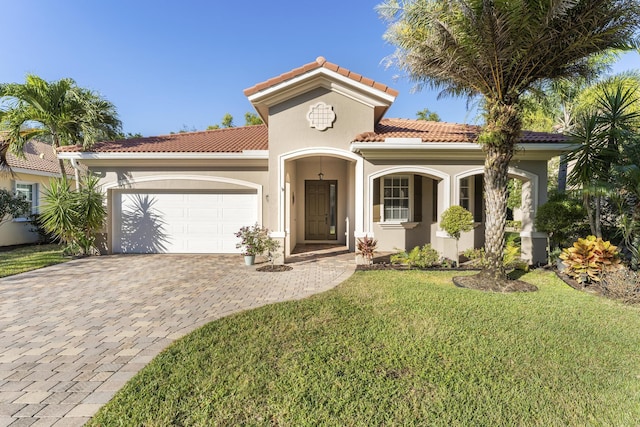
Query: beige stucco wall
point(19, 232)
point(291, 136)
point(196, 177)
point(393, 238)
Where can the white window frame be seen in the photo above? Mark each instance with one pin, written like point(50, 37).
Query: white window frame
point(466, 183)
point(409, 179)
point(33, 201)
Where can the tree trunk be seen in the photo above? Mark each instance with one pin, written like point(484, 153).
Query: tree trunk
point(586, 202)
point(502, 129)
point(496, 169)
point(598, 216)
point(562, 174)
point(55, 145)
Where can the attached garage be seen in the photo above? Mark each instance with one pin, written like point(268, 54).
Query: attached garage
point(159, 221)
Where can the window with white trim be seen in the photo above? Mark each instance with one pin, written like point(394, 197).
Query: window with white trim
point(30, 192)
point(465, 193)
point(395, 198)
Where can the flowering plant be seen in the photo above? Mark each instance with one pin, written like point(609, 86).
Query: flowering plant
point(252, 239)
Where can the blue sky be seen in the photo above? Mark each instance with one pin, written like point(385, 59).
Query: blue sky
point(171, 64)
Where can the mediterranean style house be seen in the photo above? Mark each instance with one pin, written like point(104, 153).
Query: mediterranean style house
point(29, 177)
point(326, 167)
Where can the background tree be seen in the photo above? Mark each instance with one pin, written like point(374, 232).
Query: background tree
point(428, 115)
point(185, 129)
point(129, 135)
point(227, 122)
point(59, 110)
point(251, 119)
point(500, 50)
point(557, 105)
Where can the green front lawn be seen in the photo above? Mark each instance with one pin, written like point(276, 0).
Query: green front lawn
point(29, 258)
point(400, 348)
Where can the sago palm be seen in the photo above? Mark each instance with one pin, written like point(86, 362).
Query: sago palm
point(498, 50)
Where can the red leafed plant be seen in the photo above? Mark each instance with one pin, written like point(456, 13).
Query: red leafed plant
point(367, 246)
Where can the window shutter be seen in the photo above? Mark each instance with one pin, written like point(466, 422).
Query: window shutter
point(376, 200)
point(478, 198)
point(434, 201)
point(417, 198)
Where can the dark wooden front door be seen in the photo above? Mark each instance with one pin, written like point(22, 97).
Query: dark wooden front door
point(320, 210)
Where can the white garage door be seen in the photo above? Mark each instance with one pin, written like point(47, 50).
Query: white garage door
point(163, 222)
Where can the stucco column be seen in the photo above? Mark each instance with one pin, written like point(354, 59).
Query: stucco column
point(527, 206)
point(359, 199)
point(533, 244)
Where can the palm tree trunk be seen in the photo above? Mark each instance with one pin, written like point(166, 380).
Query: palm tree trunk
point(598, 216)
point(56, 144)
point(496, 169)
point(562, 174)
point(586, 201)
point(502, 129)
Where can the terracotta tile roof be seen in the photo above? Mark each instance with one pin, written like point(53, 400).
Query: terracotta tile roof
point(320, 62)
point(38, 156)
point(441, 132)
point(228, 140)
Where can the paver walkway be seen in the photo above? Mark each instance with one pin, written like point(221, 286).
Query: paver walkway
point(71, 335)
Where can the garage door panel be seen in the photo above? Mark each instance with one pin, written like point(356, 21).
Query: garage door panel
point(181, 223)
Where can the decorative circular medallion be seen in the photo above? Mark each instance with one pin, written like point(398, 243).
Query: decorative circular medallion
point(321, 116)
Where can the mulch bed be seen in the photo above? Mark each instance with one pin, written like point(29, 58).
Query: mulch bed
point(475, 281)
point(274, 268)
point(578, 286)
point(400, 267)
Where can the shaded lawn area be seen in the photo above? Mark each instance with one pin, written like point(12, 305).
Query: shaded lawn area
point(400, 348)
point(29, 258)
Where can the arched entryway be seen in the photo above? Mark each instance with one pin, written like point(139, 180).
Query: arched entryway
point(321, 200)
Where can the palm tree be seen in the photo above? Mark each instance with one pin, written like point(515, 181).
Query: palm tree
point(498, 50)
point(59, 110)
point(603, 137)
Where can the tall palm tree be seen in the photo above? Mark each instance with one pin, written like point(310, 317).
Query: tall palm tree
point(498, 50)
point(59, 110)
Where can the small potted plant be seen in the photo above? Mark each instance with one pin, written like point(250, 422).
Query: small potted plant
point(252, 239)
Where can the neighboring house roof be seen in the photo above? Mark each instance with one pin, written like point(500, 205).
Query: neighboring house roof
point(38, 157)
point(442, 132)
point(320, 62)
point(227, 140)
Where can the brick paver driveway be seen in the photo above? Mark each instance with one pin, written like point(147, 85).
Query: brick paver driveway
point(71, 335)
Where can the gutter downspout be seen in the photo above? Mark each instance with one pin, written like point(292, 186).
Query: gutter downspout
point(76, 170)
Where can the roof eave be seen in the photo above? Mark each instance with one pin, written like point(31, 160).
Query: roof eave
point(444, 150)
point(27, 171)
point(320, 77)
point(90, 155)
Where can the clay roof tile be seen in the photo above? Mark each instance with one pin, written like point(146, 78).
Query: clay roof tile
point(442, 132)
point(319, 62)
point(228, 140)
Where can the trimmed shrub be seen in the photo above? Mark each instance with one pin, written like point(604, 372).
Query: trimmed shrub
point(511, 257)
point(563, 219)
point(420, 257)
